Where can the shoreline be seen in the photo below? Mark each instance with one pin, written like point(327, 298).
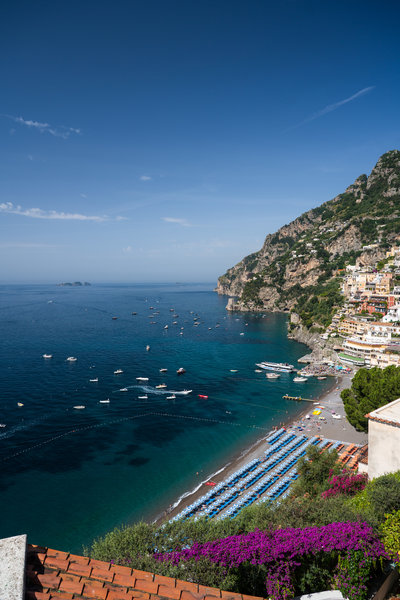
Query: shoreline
point(337, 429)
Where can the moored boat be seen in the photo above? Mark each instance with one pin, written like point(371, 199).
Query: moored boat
point(71, 359)
point(118, 372)
point(47, 356)
point(272, 366)
point(272, 375)
point(299, 379)
point(181, 371)
point(142, 378)
point(161, 386)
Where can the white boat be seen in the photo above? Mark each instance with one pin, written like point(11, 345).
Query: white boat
point(233, 370)
point(94, 380)
point(71, 359)
point(181, 371)
point(171, 397)
point(142, 378)
point(241, 333)
point(123, 390)
point(257, 370)
point(184, 392)
point(3, 425)
point(161, 386)
point(147, 347)
point(19, 404)
point(272, 366)
point(272, 375)
point(142, 397)
point(79, 407)
point(299, 379)
point(163, 370)
point(165, 326)
point(104, 401)
point(321, 378)
point(47, 355)
point(118, 372)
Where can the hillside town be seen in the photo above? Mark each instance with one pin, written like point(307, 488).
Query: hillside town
point(367, 326)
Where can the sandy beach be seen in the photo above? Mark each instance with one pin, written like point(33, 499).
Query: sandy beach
point(329, 428)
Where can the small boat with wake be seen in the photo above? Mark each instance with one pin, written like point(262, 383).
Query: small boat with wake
point(142, 378)
point(123, 390)
point(118, 372)
point(95, 380)
point(161, 386)
point(71, 359)
point(47, 356)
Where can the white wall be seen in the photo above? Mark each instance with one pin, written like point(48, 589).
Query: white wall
point(383, 449)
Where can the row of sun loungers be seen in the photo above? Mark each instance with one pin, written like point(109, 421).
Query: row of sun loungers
point(262, 477)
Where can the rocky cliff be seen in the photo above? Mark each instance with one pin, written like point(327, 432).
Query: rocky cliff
point(296, 268)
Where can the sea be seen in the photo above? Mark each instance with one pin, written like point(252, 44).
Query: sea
point(69, 475)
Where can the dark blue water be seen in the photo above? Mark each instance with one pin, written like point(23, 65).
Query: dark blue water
point(69, 475)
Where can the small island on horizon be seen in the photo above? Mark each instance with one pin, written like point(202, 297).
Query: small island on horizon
point(73, 284)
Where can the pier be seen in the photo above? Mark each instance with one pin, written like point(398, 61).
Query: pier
point(298, 398)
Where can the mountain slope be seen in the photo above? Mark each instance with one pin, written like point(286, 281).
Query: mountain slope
point(295, 269)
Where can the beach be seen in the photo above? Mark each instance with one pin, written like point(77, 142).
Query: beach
point(328, 428)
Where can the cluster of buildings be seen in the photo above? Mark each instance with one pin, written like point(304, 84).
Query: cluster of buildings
point(368, 324)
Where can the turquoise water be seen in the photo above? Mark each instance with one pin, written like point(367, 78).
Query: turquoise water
point(69, 475)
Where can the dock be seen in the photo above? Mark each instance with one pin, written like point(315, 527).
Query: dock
point(297, 398)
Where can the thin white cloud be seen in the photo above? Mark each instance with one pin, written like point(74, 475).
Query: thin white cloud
point(176, 220)
point(145, 178)
point(331, 107)
point(127, 250)
point(38, 213)
point(84, 196)
point(62, 131)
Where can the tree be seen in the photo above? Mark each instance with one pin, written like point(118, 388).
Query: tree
point(314, 471)
point(369, 390)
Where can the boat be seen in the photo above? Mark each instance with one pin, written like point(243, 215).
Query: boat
point(272, 375)
point(147, 347)
point(123, 390)
point(165, 326)
point(241, 333)
point(181, 371)
point(19, 404)
point(142, 397)
point(3, 425)
point(233, 370)
point(185, 392)
point(321, 378)
point(299, 379)
point(104, 401)
point(134, 313)
point(171, 397)
point(272, 366)
point(118, 372)
point(203, 396)
point(47, 356)
point(94, 380)
point(114, 318)
point(71, 359)
point(79, 407)
point(257, 370)
point(163, 370)
point(161, 386)
point(142, 378)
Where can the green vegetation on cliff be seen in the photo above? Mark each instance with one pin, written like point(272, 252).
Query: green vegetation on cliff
point(296, 269)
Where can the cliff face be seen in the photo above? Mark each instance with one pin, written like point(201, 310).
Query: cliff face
point(297, 265)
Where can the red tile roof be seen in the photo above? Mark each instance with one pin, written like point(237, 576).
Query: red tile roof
point(56, 575)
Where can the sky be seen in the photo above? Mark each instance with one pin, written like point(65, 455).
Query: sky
point(163, 140)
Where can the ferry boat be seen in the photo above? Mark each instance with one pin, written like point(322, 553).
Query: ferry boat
point(280, 367)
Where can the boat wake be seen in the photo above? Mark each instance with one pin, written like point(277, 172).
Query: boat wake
point(151, 390)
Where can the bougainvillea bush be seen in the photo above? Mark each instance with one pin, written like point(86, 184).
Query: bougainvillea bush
point(292, 561)
point(346, 483)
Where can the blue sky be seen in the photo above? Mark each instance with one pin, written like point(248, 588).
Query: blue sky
point(162, 140)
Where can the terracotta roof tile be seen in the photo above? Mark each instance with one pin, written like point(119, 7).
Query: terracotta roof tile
point(56, 575)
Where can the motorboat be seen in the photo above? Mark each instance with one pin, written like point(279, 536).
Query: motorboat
point(233, 370)
point(47, 356)
point(147, 347)
point(79, 407)
point(104, 401)
point(161, 386)
point(321, 378)
point(123, 390)
point(257, 370)
point(171, 397)
point(3, 425)
point(118, 372)
point(165, 326)
point(272, 375)
point(114, 318)
point(272, 366)
point(95, 380)
point(142, 397)
point(142, 378)
point(202, 396)
point(299, 379)
point(181, 371)
point(71, 359)
point(19, 404)
point(185, 392)
point(163, 370)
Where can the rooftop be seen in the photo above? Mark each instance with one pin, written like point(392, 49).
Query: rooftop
point(389, 414)
point(52, 574)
